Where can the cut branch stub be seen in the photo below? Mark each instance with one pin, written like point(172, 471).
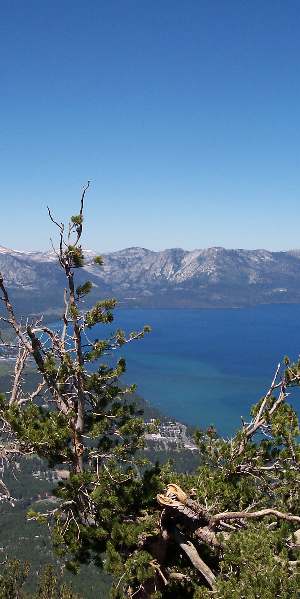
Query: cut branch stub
point(176, 499)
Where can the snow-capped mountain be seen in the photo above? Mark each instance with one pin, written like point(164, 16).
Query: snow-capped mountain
point(212, 277)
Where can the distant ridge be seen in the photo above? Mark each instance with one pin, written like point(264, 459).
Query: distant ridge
point(213, 277)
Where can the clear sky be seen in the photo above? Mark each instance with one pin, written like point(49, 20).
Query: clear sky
point(185, 115)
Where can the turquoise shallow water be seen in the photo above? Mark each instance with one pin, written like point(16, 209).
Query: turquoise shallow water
point(209, 366)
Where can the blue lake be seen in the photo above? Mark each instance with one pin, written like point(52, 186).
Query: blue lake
point(208, 366)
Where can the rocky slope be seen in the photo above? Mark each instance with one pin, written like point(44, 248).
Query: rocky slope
point(213, 277)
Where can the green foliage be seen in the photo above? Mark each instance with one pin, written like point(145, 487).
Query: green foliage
point(77, 219)
point(255, 564)
point(76, 256)
point(45, 432)
point(13, 577)
point(98, 260)
point(84, 289)
point(136, 571)
point(49, 587)
point(100, 313)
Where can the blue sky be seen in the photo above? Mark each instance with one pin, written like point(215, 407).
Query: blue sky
point(184, 115)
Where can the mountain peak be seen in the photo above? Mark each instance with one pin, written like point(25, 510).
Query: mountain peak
point(137, 276)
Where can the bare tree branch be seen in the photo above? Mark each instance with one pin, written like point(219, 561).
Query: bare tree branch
point(259, 514)
point(193, 555)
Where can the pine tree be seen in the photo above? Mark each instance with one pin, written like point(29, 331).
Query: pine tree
point(79, 415)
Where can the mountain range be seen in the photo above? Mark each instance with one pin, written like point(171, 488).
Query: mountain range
point(174, 278)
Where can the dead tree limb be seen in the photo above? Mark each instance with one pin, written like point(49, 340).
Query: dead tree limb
point(193, 555)
point(259, 514)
